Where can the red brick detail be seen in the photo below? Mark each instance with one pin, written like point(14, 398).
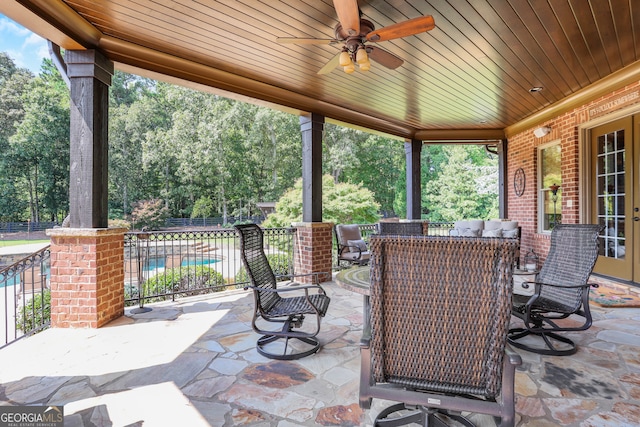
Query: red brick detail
point(522, 152)
point(87, 276)
point(312, 249)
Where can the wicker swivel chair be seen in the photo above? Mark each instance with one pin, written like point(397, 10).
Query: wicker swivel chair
point(273, 305)
point(561, 290)
point(436, 342)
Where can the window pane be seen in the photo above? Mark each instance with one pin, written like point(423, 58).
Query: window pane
point(550, 205)
point(610, 187)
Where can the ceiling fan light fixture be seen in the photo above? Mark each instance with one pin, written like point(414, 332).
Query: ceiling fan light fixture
point(345, 59)
point(361, 55)
point(365, 66)
point(349, 68)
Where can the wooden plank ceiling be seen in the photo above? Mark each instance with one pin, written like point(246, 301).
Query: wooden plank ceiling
point(470, 77)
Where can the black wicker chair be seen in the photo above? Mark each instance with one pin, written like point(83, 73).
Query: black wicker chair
point(436, 342)
point(271, 306)
point(561, 290)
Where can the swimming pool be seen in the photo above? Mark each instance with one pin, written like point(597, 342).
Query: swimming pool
point(159, 262)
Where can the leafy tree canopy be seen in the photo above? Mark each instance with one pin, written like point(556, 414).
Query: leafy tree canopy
point(341, 203)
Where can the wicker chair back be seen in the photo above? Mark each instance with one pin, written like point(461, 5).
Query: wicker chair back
point(257, 266)
point(440, 311)
point(402, 228)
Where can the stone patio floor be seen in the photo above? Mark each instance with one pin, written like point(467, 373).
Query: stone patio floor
point(193, 363)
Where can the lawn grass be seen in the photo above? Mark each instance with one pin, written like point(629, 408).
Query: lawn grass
point(4, 243)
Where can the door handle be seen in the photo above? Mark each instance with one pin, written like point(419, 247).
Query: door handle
point(635, 218)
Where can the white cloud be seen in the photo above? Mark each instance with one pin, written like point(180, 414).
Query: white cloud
point(8, 26)
point(25, 48)
point(33, 39)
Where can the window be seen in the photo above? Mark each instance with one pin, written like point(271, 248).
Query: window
point(549, 187)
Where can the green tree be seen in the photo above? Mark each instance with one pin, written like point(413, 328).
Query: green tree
point(381, 169)
point(203, 207)
point(39, 149)
point(466, 186)
point(341, 203)
point(13, 83)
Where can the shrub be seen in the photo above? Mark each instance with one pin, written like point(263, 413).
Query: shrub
point(119, 223)
point(33, 315)
point(279, 264)
point(191, 280)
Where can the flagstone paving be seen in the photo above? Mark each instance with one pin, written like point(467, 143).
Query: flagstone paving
point(194, 363)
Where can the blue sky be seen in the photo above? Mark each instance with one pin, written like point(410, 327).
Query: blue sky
point(25, 48)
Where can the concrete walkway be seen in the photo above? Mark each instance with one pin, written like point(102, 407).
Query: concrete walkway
point(194, 363)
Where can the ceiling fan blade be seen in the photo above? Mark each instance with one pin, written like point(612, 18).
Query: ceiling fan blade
point(403, 29)
point(331, 65)
point(299, 40)
point(384, 58)
point(348, 15)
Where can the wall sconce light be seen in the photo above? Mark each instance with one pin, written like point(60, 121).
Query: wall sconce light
point(541, 131)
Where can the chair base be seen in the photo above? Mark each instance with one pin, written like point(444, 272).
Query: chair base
point(427, 417)
point(548, 337)
point(268, 339)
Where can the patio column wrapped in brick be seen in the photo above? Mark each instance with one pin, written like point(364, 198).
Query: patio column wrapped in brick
point(312, 249)
point(86, 276)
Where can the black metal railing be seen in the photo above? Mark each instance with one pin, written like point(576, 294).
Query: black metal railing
point(165, 265)
point(25, 296)
point(26, 226)
point(158, 266)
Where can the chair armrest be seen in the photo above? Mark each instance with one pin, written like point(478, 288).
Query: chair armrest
point(343, 247)
point(292, 276)
point(536, 284)
point(286, 289)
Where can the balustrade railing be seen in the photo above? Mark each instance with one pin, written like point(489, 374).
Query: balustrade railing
point(25, 296)
point(158, 265)
point(164, 265)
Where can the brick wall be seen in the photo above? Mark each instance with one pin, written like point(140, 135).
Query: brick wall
point(313, 249)
point(522, 153)
point(87, 273)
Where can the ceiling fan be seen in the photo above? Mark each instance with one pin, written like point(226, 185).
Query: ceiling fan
point(354, 32)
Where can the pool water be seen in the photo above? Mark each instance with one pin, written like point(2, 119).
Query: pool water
point(156, 263)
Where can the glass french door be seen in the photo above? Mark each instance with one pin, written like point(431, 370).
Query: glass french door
point(615, 197)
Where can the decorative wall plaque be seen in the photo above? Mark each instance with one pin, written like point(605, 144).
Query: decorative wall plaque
point(519, 182)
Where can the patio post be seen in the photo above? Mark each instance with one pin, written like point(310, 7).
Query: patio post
point(412, 150)
point(503, 196)
point(313, 237)
point(87, 259)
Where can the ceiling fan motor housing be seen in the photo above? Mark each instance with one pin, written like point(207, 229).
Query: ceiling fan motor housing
point(365, 28)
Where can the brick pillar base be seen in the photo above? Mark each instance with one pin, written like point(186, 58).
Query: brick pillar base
point(313, 249)
point(87, 276)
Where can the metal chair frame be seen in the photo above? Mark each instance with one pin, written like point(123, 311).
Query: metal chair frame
point(274, 306)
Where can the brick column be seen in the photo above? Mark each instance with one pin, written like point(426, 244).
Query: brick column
point(87, 276)
point(313, 248)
